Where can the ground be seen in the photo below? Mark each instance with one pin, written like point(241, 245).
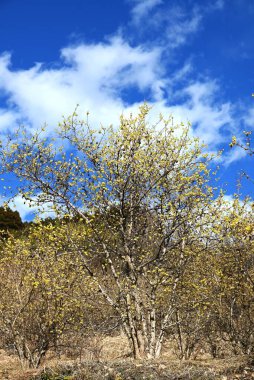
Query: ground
point(110, 362)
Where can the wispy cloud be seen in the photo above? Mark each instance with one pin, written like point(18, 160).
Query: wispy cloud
point(233, 155)
point(142, 8)
point(170, 24)
point(216, 5)
point(249, 118)
point(8, 118)
point(181, 24)
point(164, 24)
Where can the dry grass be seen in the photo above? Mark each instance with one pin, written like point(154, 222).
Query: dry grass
point(10, 368)
point(155, 370)
point(106, 358)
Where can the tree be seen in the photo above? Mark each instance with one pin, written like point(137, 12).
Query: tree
point(10, 220)
point(41, 291)
point(246, 145)
point(143, 192)
point(234, 269)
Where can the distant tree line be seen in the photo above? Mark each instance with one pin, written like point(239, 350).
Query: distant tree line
point(10, 220)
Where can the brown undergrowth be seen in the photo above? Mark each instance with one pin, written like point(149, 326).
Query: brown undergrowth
point(108, 359)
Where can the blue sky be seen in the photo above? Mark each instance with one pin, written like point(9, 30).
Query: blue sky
point(193, 59)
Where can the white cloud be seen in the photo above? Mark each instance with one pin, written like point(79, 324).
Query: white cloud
point(142, 8)
point(233, 155)
point(229, 198)
point(181, 25)
point(95, 75)
point(7, 118)
point(217, 5)
point(91, 75)
point(249, 118)
point(28, 209)
point(210, 119)
point(169, 23)
point(245, 204)
point(108, 68)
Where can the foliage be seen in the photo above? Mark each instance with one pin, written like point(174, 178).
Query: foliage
point(234, 272)
point(10, 220)
point(140, 241)
point(149, 187)
point(45, 300)
point(246, 145)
